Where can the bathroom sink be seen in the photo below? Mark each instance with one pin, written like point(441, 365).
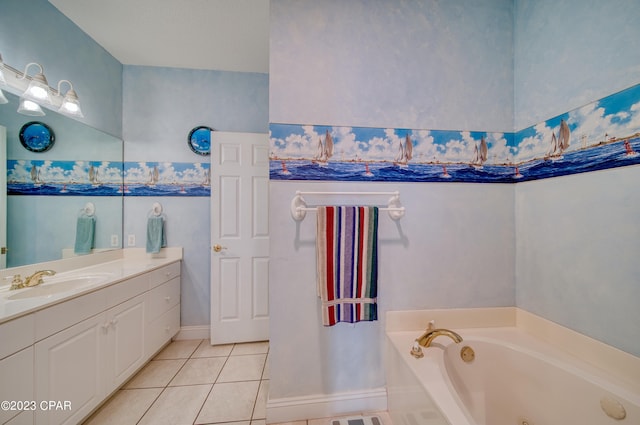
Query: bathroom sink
point(59, 285)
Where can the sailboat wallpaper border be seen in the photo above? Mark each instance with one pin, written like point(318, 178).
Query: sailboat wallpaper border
point(104, 178)
point(600, 135)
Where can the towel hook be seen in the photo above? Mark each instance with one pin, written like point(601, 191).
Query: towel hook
point(89, 209)
point(156, 209)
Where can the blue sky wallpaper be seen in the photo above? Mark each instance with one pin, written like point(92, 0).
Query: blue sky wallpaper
point(602, 134)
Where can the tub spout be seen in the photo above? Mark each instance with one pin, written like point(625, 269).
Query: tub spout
point(428, 337)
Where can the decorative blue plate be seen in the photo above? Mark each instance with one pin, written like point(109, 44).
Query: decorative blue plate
point(200, 140)
point(37, 136)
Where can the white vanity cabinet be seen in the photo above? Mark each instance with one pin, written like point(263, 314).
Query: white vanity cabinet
point(79, 351)
point(163, 307)
point(16, 367)
point(68, 368)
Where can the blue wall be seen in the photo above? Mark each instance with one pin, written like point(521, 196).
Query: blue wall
point(161, 106)
point(571, 52)
point(488, 66)
point(401, 64)
point(577, 236)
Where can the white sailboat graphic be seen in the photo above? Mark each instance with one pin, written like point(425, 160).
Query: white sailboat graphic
point(154, 176)
point(324, 150)
point(561, 143)
point(93, 176)
point(35, 176)
point(480, 153)
point(207, 178)
point(405, 153)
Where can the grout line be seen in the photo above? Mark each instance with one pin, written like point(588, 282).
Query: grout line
point(214, 381)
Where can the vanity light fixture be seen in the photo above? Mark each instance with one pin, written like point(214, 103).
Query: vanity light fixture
point(29, 107)
point(38, 89)
point(37, 93)
point(3, 82)
point(70, 103)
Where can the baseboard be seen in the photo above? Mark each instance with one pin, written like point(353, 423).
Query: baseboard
point(325, 405)
point(193, 332)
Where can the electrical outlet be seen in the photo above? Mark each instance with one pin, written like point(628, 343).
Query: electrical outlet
point(131, 240)
point(114, 240)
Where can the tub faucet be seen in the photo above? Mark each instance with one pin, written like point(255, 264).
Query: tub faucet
point(428, 337)
point(33, 280)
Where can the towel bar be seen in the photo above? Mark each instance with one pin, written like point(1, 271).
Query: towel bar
point(299, 206)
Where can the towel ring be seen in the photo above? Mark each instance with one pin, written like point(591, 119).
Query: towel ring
point(89, 209)
point(156, 209)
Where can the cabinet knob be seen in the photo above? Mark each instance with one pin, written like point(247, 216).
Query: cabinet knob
point(167, 299)
point(167, 329)
point(114, 322)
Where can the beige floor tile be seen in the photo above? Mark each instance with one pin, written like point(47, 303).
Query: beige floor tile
point(177, 406)
point(260, 410)
point(199, 371)
point(205, 349)
point(157, 373)
point(251, 348)
point(229, 402)
point(259, 422)
point(125, 407)
point(181, 349)
point(243, 368)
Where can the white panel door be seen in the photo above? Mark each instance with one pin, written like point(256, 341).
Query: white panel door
point(239, 237)
point(3, 197)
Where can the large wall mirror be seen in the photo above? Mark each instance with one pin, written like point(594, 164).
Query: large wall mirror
point(48, 191)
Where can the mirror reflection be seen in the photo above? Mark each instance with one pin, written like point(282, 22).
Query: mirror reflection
point(47, 192)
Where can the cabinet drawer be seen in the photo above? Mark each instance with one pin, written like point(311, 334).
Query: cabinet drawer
point(123, 291)
point(16, 376)
point(16, 334)
point(162, 298)
point(60, 316)
point(164, 274)
point(162, 330)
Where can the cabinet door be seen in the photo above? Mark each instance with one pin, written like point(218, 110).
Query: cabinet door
point(68, 369)
point(16, 381)
point(125, 342)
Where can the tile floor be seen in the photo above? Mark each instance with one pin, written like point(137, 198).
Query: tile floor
point(191, 382)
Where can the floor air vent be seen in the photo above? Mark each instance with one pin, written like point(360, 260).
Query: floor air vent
point(358, 420)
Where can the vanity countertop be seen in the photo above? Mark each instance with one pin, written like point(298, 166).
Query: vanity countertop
point(126, 264)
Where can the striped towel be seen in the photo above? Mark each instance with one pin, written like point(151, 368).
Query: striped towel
point(347, 263)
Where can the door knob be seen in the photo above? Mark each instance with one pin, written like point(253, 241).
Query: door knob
point(218, 247)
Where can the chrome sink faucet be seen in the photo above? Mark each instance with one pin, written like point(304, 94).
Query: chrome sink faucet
point(33, 280)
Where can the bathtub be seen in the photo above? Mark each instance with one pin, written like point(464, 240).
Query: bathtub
point(514, 379)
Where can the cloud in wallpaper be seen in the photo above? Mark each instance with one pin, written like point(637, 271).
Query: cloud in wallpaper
point(600, 135)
